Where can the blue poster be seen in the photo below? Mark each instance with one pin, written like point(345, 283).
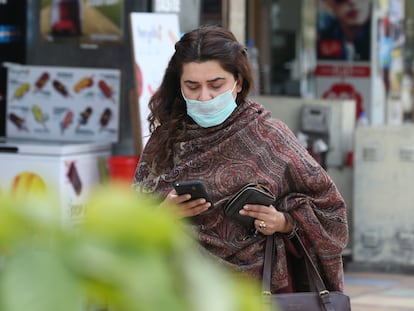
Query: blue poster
point(344, 30)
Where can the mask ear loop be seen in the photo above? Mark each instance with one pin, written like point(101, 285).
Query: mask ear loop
point(234, 86)
point(182, 94)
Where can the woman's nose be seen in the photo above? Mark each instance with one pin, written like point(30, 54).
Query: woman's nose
point(204, 95)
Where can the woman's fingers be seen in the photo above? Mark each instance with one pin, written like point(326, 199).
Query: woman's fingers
point(184, 205)
point(267, 219)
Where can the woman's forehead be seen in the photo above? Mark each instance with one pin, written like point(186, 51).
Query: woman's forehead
point(203, 71)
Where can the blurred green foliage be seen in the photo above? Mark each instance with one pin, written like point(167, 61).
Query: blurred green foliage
point(127, 255)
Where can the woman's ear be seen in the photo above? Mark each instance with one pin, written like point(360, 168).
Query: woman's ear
point(239, 85)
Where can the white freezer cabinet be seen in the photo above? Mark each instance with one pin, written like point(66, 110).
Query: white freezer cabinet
point(71, 170)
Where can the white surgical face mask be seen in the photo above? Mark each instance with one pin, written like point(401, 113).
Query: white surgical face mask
point(211, 112)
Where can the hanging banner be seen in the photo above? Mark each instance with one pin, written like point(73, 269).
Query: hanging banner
point(344, 51)
point(82, 21)
point(391, 41)
point(153, 37)
point(344, 30)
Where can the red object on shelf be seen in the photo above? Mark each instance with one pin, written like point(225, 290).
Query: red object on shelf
point(122, 168)
point(349, 159)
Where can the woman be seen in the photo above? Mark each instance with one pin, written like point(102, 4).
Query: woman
point(204, 127)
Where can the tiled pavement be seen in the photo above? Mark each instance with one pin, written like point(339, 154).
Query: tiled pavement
point(380, 291)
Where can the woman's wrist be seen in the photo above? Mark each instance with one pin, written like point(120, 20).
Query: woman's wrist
point(289, 224)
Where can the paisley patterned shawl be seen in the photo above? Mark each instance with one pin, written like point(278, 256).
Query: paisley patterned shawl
point(251, 146)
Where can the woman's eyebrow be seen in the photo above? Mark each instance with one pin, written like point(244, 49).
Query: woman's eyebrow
point(216, 79)
point(190, 82)
point(212, 80)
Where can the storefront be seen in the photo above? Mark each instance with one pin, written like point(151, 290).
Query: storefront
point(284, 32)
point(303, 53)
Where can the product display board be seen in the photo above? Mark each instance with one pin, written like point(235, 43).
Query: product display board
point(63, 103)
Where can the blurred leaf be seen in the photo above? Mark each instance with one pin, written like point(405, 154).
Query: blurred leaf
point(37, 281)
point(127, 254)
point(22, 221)
point(127, 218)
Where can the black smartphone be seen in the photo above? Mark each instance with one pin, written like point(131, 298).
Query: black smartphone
point(194, 187)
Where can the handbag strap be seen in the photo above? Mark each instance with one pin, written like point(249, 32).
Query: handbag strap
point(315, 279)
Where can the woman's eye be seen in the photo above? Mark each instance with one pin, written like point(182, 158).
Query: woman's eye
point(215, 87)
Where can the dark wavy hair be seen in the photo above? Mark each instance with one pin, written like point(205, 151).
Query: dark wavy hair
point(167, 106)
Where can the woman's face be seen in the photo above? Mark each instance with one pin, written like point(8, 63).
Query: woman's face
point(351, 12)
point(204, 81)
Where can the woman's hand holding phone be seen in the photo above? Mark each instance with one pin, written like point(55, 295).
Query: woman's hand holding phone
point(190, 197)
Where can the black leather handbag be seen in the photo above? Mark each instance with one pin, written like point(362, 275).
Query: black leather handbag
point(319, 299)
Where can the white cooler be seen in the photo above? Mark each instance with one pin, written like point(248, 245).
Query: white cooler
point(71, 170)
